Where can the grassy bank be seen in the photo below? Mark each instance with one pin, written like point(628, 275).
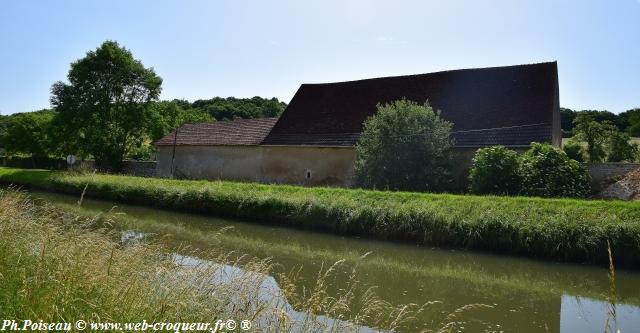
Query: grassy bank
point(559, 229)
point(56, 266)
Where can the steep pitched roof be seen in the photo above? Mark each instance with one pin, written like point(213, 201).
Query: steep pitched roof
point(239, 132)
point(512, 105)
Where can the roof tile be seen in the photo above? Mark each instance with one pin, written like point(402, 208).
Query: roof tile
point(239, 132)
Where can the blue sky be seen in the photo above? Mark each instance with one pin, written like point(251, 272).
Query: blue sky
point(212, 48)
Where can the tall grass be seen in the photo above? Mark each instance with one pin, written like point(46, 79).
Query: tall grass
point(559, 229)
point(56, 266)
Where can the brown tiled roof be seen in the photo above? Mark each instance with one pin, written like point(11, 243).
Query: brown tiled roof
point(515, 136)
point(487, 106)
point(239, 132)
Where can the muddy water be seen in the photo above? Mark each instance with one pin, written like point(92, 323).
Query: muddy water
point(525, 295)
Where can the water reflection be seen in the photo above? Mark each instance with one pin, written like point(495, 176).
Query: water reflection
point(269, 295)
point(583, 314)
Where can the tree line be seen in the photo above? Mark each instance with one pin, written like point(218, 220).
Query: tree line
point(627, 121)
point(109, 110)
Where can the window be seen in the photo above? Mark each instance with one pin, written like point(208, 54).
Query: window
point(307, 174)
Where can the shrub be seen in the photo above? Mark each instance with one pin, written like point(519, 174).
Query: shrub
point(404, 146)
point(575, 151)
point(548, 172)
point(495, 170)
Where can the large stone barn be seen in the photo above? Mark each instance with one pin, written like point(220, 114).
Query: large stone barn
point(313, 141)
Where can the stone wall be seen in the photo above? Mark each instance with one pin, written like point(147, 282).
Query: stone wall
point(266, 164)
point(603, 174)
point(139, 168)
point(331, 166)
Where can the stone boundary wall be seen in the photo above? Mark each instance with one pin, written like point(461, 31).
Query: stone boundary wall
point(606, 173)
point(139, 168)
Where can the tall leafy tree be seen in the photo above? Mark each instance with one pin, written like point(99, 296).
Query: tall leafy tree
point(621, 148)
point(104, 109)
point(594, 133)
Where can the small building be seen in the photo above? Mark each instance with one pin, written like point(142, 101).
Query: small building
point(313, 141)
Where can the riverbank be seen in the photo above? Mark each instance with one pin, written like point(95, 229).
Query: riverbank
point(557, 229)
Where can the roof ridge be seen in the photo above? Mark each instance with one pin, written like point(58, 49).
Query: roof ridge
point(555, 62)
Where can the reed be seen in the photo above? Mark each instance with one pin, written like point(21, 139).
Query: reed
point(58, 266)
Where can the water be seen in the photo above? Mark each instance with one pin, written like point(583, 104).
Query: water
point(526, 295)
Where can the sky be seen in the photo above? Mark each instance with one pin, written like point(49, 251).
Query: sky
point(204, 49)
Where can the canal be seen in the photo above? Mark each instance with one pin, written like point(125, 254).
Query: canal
point(525, 295)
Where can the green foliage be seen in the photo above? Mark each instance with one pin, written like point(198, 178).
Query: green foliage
point(231, 107)
point(566, 121)
point(623, 121)
point(620, 149)
point(104, 109)
point(574, 151)
point(404, 146)
point(27, 133)
point(495, 170)
point(548, 172)
point(562, 229)
point(633, 120)
point(167, 115)
point(595, 134)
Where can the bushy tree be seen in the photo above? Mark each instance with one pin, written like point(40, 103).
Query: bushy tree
point(404, 146)
point(103, 110)
point(547, 171)
point(28, 133)
point(620, 148)
point(495, 171)
point(594, 133)
point(574, 150)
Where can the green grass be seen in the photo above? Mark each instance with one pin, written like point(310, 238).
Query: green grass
point(57, 266)
point(559, 229)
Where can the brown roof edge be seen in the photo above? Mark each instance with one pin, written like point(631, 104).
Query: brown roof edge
point(434, 73)
point(237, 132)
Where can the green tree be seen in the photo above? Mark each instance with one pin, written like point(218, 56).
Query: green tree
point(167, 115)
point(595, 134)
point(404, 146)
point(495, 171)
point(633, 119)
point(28, 133)
point(566, 121)
point(231, 107)
point(620, 148)
point(547, 171)
point(104, 109)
